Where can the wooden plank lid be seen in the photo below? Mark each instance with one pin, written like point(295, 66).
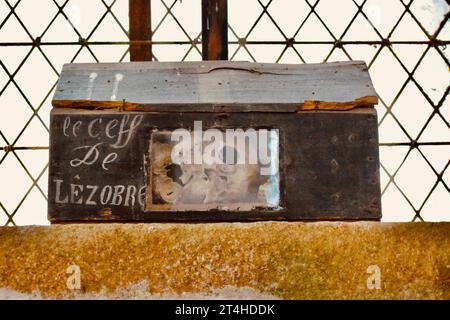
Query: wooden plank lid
point(215, 86)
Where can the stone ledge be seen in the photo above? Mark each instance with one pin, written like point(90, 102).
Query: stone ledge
point(290, 260)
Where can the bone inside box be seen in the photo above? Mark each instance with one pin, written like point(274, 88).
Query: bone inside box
point(214, 141)
point(238, 173)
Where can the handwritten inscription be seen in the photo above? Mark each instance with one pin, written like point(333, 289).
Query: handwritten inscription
point(101, 141)
point(118, 77)
point(117, 134)
point(92, 78)
point(115, 195)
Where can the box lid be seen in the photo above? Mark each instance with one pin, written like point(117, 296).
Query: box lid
point(215, 86)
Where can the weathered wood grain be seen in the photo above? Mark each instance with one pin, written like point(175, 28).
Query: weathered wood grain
point(215, 86)
point(328, 164)
point(139, 12)
point(214, 30)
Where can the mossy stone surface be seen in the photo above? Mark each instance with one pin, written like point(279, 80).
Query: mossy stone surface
point(289, 260)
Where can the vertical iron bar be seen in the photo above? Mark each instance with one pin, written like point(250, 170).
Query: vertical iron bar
point(214, 30)
point(140, 30)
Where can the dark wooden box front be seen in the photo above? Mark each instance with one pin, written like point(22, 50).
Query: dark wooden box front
point(101, 165)
point(112, 148)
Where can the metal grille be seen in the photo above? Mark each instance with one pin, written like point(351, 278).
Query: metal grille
point(404, 43)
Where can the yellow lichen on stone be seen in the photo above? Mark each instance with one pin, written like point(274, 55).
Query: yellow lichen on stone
point(290, 260)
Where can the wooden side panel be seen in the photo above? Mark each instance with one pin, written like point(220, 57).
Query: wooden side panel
point(100, 164)
point(216, 86)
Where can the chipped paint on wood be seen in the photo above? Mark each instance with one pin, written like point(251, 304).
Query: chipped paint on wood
point(339, 106)
point(216, 86)
point(100, 159)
